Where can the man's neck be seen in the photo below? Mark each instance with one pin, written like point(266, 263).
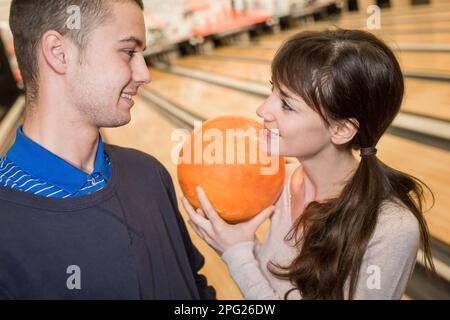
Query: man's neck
point(74, 142)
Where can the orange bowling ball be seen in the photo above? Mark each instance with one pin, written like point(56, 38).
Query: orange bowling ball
point(225, 157)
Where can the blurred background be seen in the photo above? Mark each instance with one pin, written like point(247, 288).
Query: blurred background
point(212, 57)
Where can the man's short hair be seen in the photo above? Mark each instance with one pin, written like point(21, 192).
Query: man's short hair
point(30, 19)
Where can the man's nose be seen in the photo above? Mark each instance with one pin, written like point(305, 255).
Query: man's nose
point(141, 74)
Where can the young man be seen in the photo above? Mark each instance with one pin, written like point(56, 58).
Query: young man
point(80, 219)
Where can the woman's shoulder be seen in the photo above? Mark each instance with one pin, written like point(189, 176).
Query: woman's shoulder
point(396, 223)
point(394, 211)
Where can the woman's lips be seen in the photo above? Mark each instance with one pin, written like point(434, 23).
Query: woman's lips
point(271, 133)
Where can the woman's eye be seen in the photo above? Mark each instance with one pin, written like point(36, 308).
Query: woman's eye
point(285, 106)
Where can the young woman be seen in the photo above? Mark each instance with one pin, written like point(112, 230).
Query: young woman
point(342, 228)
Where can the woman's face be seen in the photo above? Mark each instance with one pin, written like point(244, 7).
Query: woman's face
point(300, 131)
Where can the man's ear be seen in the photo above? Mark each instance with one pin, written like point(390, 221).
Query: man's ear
point(343, 131)
point(54, 51)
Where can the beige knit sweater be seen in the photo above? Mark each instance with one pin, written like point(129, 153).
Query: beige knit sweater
point(386, 268)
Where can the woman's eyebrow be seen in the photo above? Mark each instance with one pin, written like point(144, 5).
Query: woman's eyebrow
point(284, 94)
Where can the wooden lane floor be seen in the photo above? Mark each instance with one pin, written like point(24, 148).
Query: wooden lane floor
point(150, 132)
point(438, 36)
point(424, 38)
point(429, 62)
point(406, 18)
point(389, 27)
point(254, 71)
point(423, 97)
point(398, 11)
point(427, 97)
point(424, 24)
point(388, 18)
point(410, 61)
point(424, 162)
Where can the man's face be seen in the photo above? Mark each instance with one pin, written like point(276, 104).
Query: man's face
point(112, 68)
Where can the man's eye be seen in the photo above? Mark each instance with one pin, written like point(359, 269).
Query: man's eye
point(130, 52)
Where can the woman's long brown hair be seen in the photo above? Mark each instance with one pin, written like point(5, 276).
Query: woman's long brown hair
point(346, 74)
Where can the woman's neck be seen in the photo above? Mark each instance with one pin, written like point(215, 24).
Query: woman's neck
point(329, 171)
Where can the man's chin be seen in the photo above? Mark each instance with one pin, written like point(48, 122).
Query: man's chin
point(115, 123)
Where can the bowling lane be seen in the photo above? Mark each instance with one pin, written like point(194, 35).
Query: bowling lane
point(203, 99)
point(402, 12)
point(436, 37)
point(150, 132)
point(431, 62)
point(389, 25)
point(390, 21)
point(244, 70)
point(402, 7)
point(436, 62)
point(418, 35)
point(424, 97)
point(427, 97)
point(427, 163)
point(424, 38)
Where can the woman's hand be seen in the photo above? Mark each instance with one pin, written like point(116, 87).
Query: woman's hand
point(217, 232)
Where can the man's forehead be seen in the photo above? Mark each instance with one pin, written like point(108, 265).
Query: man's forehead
point(126, 25)
point(127, 17)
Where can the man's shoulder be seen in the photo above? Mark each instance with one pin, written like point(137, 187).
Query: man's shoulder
point(135, 160)
point(131, 155)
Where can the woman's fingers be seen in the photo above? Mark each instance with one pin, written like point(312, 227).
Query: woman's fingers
point(197, 219)
point(202, 234)
point(208, 208)
point(194, 227)
point(201, 213)
point(256, 221)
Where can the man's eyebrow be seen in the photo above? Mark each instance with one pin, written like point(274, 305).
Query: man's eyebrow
point(136, 40)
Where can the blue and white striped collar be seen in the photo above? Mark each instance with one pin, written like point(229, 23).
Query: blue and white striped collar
point(45, 165)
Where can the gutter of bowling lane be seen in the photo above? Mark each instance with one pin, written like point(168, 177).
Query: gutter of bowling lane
point(428, 130)
point(441, 251)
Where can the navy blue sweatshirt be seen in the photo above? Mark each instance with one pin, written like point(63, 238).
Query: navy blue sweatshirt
point(126, 241)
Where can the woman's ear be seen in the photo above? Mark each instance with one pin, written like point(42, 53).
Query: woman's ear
point(343, 131)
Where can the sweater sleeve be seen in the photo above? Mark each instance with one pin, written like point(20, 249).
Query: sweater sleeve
point(386, 268)
point(390, 257)
point(196, 259)
point(245, 270)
